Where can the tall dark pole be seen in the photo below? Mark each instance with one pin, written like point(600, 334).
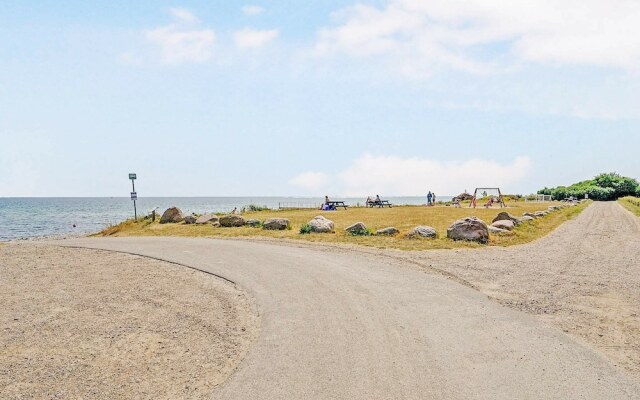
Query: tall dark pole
point(135, 211)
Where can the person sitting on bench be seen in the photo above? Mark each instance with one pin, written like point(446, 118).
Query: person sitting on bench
point(328, 206)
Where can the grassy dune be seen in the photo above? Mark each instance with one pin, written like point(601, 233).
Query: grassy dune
point(404, 218)
point(632, 204)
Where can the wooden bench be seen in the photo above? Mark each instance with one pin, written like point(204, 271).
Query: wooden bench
point(336, 204)
point(379, 203)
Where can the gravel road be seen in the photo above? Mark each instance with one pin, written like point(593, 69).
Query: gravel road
point(370, 325)
point(583, 278)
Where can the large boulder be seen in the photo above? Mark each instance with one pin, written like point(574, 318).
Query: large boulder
point(207, 219)
point(470, 228)
point(321, 224)
point(172, 215)
point(387, 231)
point(422, 232)
point(504, 224)
point(232, 220)
point(357, 228)
point(254, 223)
point(505, 216)
point(276, 224)
point(190, 219)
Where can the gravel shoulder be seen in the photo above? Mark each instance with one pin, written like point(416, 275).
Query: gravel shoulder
point(583, 278)
point(81, 323)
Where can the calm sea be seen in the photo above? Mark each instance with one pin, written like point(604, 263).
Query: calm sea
point(22, 218)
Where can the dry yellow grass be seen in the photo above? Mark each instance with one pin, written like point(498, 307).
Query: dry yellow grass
point(632, 204)
point(403, 218)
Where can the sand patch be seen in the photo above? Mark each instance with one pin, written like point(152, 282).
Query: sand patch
point(80, 323)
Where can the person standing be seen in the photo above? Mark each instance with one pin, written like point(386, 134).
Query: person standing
point(433, 199)
point(429, 197)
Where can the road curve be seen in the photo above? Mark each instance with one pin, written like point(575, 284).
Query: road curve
point(340, 325)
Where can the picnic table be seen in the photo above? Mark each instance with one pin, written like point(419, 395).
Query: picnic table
point(335, 204)
point(379, 203)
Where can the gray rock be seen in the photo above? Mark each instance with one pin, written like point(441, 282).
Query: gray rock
point(387, 231)
point(504, 224)
point(207, 219)
point(254, 223)
point(321, 224)
point(540, 214)
point(356, 228)
point(172, 215)
point(232, 220)
point(276, 224)
point(190, 219)
point(528, 214)
point(526, 218)
point(216, 224)
point(422, 232)
point(505, 216)
point(497, 231)
point(470, 228)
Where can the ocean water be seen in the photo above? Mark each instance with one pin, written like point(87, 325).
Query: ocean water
point(22, 218)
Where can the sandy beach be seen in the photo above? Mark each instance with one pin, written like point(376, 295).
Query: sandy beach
point(80, 323)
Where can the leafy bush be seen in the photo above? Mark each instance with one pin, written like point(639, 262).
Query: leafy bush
point(255, 207)
point(304, 229)
point(608, 186)
point(361, 232)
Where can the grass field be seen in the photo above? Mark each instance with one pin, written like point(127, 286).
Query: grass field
point(403, 218)
point(632, 204)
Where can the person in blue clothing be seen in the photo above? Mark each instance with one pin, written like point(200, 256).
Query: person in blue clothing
point(429, 197)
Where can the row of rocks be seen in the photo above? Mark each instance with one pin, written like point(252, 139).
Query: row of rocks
point(468, 229)
point(504, 223)
point(174, 215)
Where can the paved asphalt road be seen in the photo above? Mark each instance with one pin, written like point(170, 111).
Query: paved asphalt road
point(345, 325)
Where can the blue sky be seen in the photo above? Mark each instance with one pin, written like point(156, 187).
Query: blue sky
point(206, 98)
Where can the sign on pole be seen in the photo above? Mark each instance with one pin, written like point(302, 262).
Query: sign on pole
point(134, 195)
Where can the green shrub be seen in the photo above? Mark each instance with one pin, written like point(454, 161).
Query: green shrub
point(361, 232)
point(304, 229)
point(609, 186)
point(255, 207)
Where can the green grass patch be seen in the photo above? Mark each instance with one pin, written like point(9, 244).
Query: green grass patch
point(403, 218)
point(631, 203)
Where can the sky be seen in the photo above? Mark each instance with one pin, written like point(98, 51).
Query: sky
point(345, 98)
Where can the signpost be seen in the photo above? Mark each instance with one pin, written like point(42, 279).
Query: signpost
point(134, 195)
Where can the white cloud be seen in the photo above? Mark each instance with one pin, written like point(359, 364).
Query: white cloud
point(311, 181)
point(183, 41)
point(252, 10)
point(183, 15)
point(252, 38)
point(399, 176)
point(418, 36)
